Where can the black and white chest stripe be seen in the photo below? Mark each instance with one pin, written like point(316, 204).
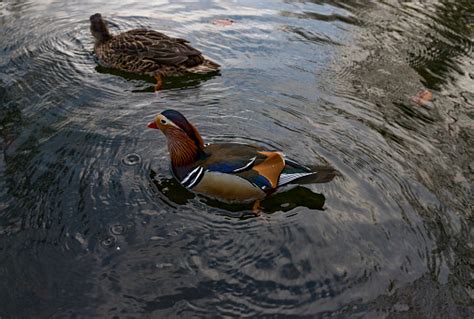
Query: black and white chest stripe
point(193, 177)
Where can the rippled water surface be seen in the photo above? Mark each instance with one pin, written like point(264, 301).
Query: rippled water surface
point(93, 225)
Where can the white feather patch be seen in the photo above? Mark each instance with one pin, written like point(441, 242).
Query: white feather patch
point(243, 168)
point(196, 179)
point(187, 177)
point(287, 178)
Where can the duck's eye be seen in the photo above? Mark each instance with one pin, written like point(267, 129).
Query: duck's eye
point(163, 121)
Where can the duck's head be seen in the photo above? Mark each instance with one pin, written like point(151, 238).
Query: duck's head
point(99, 28)
point(184, 141)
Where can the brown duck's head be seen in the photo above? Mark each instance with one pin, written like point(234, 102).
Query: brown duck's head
point(99, 28)
point(184, 142)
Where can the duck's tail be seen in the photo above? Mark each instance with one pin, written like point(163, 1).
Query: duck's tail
point(294, 173)
point(207, 66)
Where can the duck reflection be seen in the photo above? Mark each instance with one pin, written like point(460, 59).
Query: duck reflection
point(298, 196)
point(185, 81)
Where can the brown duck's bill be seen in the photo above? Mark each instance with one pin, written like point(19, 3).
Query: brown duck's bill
point(152, 125)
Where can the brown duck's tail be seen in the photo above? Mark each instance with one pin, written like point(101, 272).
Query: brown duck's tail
point(207, 66)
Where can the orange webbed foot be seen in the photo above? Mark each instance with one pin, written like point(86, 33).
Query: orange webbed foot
point(257, 208)
point(159, 82)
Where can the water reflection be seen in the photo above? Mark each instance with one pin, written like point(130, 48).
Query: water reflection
point(443, 37)
point(284, 201)
point(85, 233)
point(182, 82)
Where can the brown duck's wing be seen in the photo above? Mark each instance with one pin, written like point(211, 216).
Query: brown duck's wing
point(154, 35)
point(155, 46)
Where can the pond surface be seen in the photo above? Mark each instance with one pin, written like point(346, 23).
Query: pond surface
point(93, 225)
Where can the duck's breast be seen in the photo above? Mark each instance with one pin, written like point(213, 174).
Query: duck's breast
point(228, 187)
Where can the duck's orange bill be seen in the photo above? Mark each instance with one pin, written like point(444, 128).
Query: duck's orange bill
point(152, 125)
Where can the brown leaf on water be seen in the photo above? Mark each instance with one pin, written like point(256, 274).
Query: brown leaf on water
point(223, 22)
point(423, 98)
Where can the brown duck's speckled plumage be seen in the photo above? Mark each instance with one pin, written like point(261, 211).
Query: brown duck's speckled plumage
point(147, 52)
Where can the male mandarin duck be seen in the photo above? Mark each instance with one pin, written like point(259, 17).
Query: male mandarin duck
point(230, 172)
point(147, 52)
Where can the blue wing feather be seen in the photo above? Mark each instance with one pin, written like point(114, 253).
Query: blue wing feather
point(223, 167)
point(236, 159)
point(260, 181)
point(231, 166)
point(238, 167)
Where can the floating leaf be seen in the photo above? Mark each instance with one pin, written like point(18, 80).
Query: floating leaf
point(423, 98)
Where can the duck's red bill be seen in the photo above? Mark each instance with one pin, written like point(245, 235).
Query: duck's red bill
point(152, 125)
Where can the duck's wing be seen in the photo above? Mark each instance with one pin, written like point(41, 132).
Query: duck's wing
point(237, 172)
point(260, 168)
point(154, 46)
point(266, 169)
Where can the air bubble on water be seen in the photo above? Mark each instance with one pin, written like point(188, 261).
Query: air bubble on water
point(132, 159)
point(108, 241)
point(117, 229)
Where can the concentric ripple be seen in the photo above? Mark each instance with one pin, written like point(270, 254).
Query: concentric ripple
point(93, 224)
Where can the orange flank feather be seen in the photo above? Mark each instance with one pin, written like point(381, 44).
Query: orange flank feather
point(271, 167)
point(198, 136)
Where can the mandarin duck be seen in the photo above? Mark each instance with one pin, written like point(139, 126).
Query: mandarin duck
point(147, 52)
point(229, 172)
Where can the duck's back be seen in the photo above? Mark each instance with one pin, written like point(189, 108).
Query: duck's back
point(149, 52)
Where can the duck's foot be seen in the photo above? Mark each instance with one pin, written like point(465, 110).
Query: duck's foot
point(257, 208)
point(159, 82)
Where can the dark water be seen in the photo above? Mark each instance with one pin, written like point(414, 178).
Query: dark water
point(92, 225)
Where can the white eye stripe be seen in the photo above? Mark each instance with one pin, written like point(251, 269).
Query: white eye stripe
point(166, 121)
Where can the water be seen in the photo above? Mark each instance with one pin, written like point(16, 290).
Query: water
point(93, 225)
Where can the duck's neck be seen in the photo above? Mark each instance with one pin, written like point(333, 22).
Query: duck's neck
point(183, 150)
point(103, 37)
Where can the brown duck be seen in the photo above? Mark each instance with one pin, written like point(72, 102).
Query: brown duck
point(147, 52)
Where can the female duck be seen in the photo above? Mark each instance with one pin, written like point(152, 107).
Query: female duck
point(147, 52)
point(229, 172)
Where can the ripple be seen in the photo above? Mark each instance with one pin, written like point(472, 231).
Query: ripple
point(323, 17)
point(132, 159)
point(109, 241)
point(88, 200)
point(440, 37)
point(117, 229)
